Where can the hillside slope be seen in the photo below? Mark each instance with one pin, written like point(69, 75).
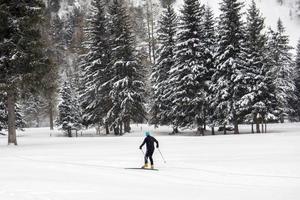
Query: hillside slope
point(272, 11)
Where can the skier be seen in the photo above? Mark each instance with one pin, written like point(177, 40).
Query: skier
point(149, 141)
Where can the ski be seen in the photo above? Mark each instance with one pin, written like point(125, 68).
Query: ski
point(142, 168)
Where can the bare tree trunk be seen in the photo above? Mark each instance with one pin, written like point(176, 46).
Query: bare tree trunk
point(252, 127)
point(235, 123)
point(200, 130)
point(175, 130)
point(51, 116)
point(236, 127)
point(12, 136)
point(106, 128)
point(121, 128)
point(257, 124)
point(127, 128)
point(37, 121)
point(98, 129)
point(116, 129)
point(225, 130)
point(265, 126)
point(282, 118)
point(213, 130)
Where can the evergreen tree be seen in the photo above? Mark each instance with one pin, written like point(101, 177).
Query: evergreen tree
point(68, 116)
point(257, 101)
point(187, 74)
point(209, 61)
point(20, 122)
point(127, 82)
point(297, 82)
point(159, 77)
point(166, 3)
point(95, 99)
point(280, 59)
point(20, 50)
point(3, 114)
point(227, 81)
point(33, 108)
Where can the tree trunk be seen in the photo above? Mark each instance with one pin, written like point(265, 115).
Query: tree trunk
point(127, 128)
point(225, 130)
point(98, 132)
point(175, 130)
point(69, 132)
point(106, 128)
point(37, 121)
point(200, 130)
point(257, 123)
point(236, 127)
point(213, 130)
point(12, 136)
point(282, 118)
point(121, 128)
point(252, 127)
point(51, 116)
point(265, 127)
point(116, 130)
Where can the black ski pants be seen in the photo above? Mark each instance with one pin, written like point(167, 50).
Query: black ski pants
point(149, 154)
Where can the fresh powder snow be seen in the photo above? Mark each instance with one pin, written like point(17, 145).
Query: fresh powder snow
point(227, 167)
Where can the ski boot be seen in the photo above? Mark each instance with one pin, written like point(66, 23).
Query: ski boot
point(152, 167)
point(145, 166)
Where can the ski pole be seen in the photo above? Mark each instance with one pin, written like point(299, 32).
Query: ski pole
point(143, 152)
point(162, 156)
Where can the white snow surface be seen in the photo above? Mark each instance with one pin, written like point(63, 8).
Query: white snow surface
point(223, 167)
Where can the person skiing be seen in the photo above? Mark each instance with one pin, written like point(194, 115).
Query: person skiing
point(149, 141)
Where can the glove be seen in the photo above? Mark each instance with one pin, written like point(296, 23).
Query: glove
point(140, 147)
point(157, 146)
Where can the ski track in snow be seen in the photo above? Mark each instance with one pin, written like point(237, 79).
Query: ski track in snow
point(231, 167)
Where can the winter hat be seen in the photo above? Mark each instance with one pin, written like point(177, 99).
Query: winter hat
point(147, 133)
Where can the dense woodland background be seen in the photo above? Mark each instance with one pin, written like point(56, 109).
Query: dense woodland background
point(109, 63)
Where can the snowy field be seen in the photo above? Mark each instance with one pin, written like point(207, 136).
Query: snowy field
point(230, 167)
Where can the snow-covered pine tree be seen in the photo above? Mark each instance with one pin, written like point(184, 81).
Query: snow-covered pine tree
point(186, 77)
point(209, 41)
point(280, 58)
point(165, 54)
point(33, 108)
point(208, 58)
point(3, 114)
point(258, 98)
point(67, 110)
point(20, 50)
point(95, 99)
point(166, 3)
point(227, 81)
point(128, 92)
point(20, 122)
point(297, 82)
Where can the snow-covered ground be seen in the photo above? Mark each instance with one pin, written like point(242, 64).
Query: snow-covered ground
point(230, 167)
